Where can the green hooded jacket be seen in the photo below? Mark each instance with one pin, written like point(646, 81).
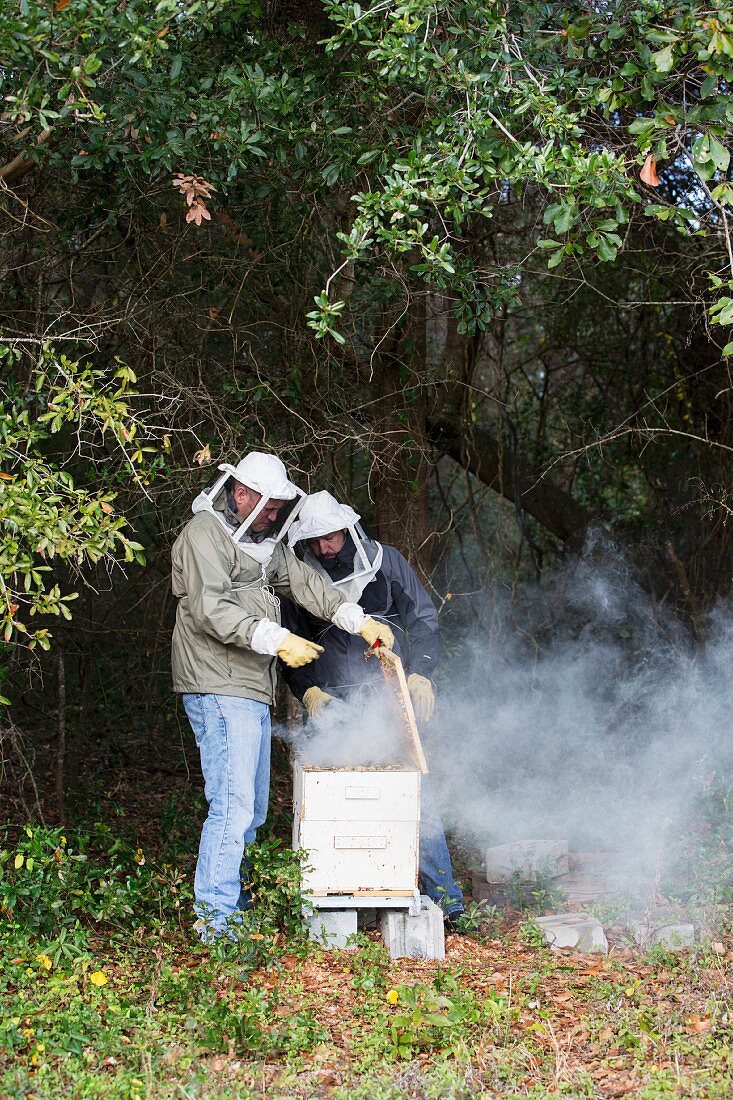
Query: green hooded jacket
point(221, 599)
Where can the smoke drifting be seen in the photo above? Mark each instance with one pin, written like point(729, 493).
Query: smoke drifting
point(586, 714)
point(362, 731)
point(579, 711)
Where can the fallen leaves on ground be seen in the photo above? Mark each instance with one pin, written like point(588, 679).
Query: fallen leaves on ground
point(610, 1018)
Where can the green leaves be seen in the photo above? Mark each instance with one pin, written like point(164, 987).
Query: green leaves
point(642, 128)
point(709, 155)
point(405, 133)
point(48, 514)
point(563, 216)
point(721, 312)
point(324, 318)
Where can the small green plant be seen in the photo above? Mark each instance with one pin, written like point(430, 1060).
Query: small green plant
point(276, 879)
point(440, 1016)
point(258, 936)
point(252, 1023)
point(532, 935)
point(370, 964)
point(608, 911)
point(664, 957)
point(51, 882)
point(477, 917)
point(536, 896)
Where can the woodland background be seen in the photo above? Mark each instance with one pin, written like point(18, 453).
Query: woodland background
point(466, 265)
point(469, 266)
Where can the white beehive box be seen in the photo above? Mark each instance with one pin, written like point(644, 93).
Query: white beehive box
point(360, 827)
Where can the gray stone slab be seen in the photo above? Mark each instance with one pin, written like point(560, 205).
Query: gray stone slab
point(333, 927)
point(526, 860)
point(674, 935)
point(581, 888)
point(598, 863)
point(414, 937)
point(576, 930)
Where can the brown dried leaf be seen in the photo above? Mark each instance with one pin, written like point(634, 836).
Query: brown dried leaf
point(198, 213)
point(649, 172)
point(697, 1025)
point(106, 507)
point(61, 5)
point(163, 220)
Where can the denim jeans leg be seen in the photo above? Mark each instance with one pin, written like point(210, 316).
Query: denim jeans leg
point(230, 734)
point(262, 781)
point(262, 798)
point(436, 872)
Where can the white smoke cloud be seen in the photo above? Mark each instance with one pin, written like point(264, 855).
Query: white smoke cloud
point(578, 710)
point(588, 715)
point(364, 730)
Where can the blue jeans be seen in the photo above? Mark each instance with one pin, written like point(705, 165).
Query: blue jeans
point(233, 737)
point(436, 872)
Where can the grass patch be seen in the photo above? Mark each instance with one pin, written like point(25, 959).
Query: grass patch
point(106, 992)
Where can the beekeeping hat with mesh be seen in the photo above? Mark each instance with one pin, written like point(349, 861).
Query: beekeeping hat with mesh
point(321, 515)
point(265, 475)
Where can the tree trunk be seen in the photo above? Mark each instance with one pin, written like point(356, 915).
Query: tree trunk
point(403, 462)
point(61, 733)
point(482, 455)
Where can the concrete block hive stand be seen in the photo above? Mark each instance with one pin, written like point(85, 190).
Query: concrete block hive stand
point(414, 937)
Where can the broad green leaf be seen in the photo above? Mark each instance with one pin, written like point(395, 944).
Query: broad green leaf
point(663, 60)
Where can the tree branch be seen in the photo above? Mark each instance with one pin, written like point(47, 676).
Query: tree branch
point(14, 171)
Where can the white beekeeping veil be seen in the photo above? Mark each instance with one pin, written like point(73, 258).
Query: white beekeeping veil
point(322, 514)
point(266, 475)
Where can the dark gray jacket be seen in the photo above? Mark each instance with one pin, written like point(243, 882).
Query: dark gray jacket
point(396, 595)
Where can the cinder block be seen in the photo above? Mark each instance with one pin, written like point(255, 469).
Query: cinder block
point(526, 860)
point(576, 930)
point(674, 935)
point(332, 927)
point(502, 894)
point(420, 937)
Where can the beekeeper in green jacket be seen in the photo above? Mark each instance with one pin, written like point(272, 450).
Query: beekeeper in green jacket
point(229, 569)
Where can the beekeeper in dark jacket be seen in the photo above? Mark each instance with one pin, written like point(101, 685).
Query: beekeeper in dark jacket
point(329, 537)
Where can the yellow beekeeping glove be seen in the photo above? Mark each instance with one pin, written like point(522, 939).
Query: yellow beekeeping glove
point(296, 651)
point(314, 699)
point(373, 632)
point(422, 695)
